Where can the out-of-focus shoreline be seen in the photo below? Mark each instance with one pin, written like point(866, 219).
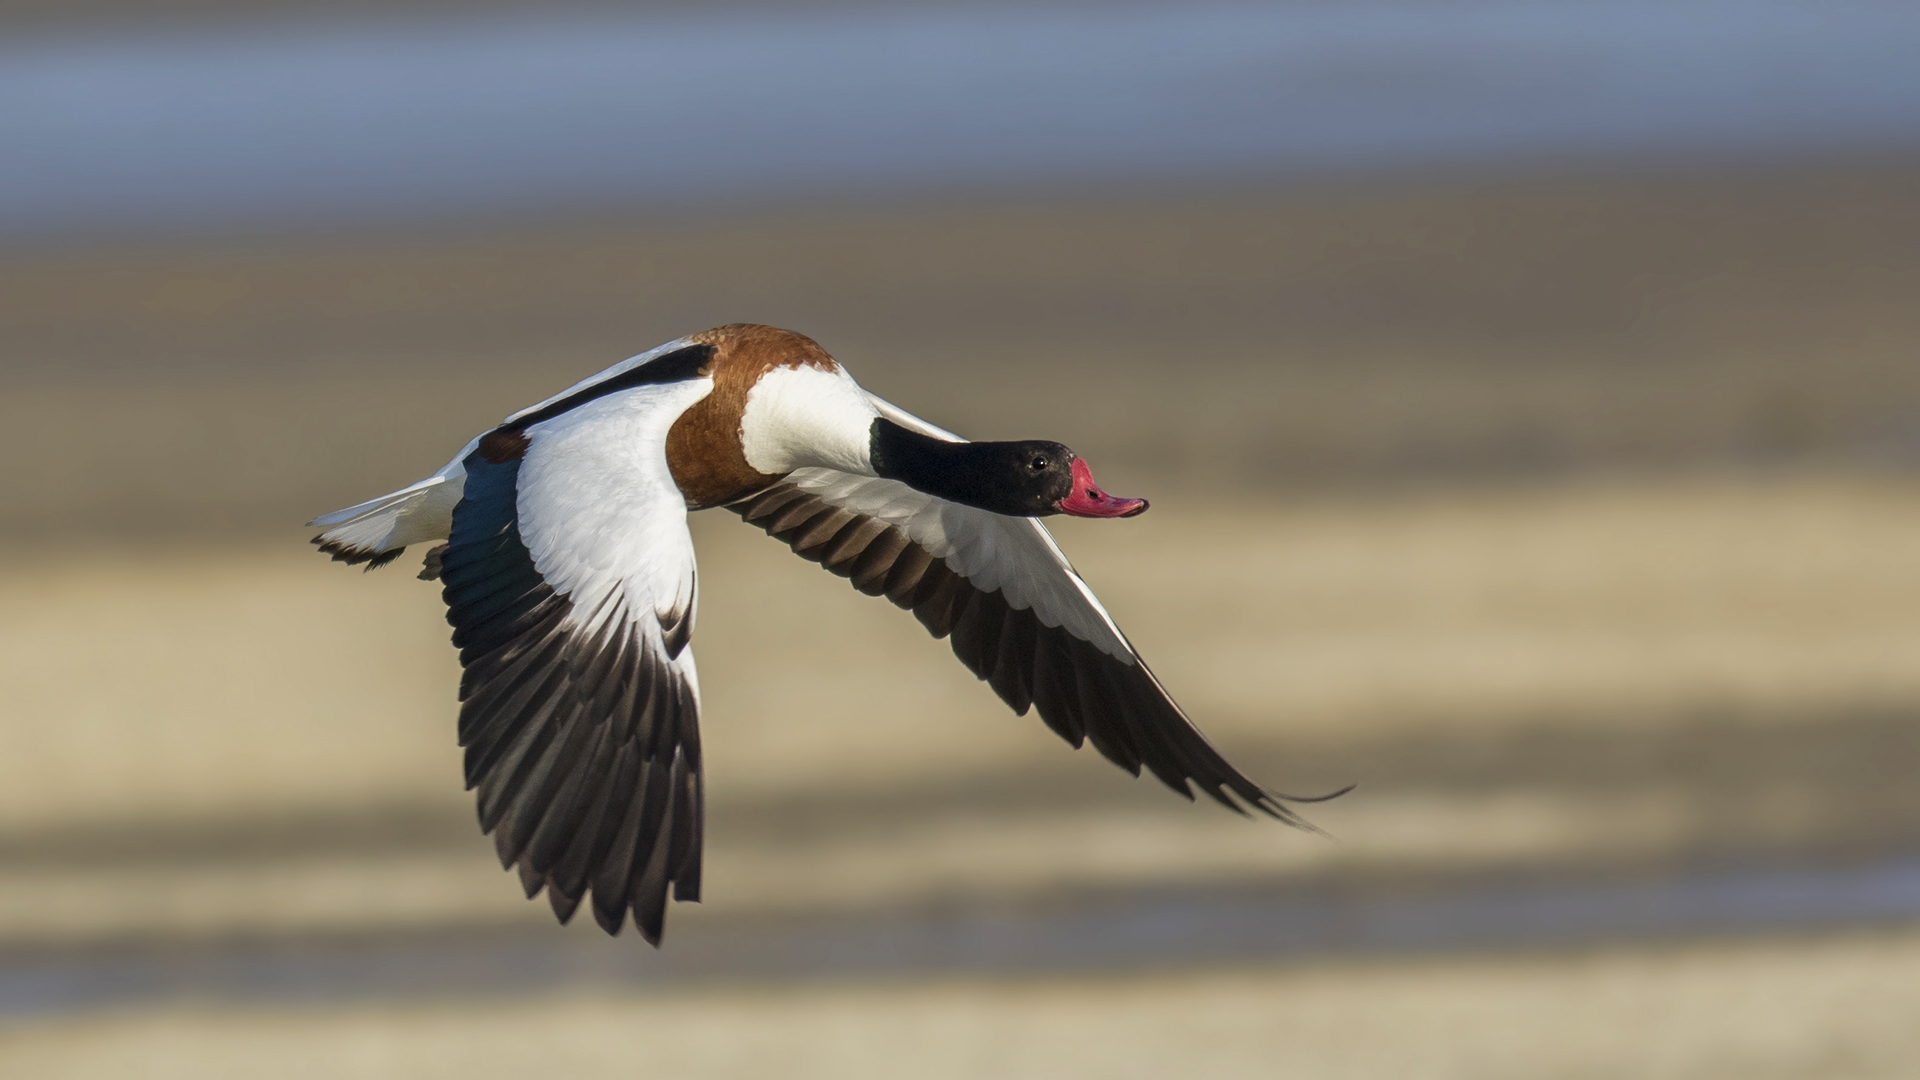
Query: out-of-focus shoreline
point(1488, 332)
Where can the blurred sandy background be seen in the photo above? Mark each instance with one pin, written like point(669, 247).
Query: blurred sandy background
point(1570, 512)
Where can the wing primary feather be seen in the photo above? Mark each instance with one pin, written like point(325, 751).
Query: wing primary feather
point(1113, 745)
point(648, 893)
point(1099, 697)
point(1013, 664)
point(649, 706)
point(474, 606)
point(869, 571)
point(686, 882)
point(993, 624)
point(609, 881)
point(506, 634)
point(662, 727)
point(841, 553)
point(547, 776)
point(530, 879)
point(563, 904)
point(795, 519)
point(564, 815)
point(592, 846)
point(819, 532)
point(510, 688)
point(940, 590)
point(604, 679)
point(758, 508)
point(495, 732)
point(676, 630)
point(933, 583)
point(683, 849)
point(687, 717)
point(977, 632)
point(969, 616)
point(903, 581)
point(500, 780)
point(635, 689)
point(1049, 692)
point(658, 798)
point(482, 673)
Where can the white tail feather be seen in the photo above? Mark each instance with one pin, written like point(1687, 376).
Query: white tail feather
point(372, 505)
point(375, 530)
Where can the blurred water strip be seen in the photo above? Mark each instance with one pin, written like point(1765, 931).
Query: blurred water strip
point(313, 122)
point(1130, 930)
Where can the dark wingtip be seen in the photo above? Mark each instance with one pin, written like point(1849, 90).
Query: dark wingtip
point(531, 880)
point(610, 921)
point(563, 905)
point(354, 556)
point(1319, 798)
point(1273, 804)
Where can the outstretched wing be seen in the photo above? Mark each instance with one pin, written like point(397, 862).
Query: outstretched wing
point(569, 581)
point(1019, 617)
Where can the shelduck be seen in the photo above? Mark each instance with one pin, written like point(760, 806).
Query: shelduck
point(562, 550)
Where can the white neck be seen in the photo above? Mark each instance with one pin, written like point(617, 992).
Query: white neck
point(803, 417)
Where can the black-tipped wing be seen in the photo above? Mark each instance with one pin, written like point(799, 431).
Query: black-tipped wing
point(569, 582)
point(1018, 616)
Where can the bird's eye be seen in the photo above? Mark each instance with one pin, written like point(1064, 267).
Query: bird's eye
point(1037, 464)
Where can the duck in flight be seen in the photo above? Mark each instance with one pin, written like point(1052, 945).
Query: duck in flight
point(562, 549)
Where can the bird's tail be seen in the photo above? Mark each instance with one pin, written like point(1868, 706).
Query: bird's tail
point(376, 531)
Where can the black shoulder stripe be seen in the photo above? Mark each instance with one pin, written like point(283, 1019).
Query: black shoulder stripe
point(676, 366)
